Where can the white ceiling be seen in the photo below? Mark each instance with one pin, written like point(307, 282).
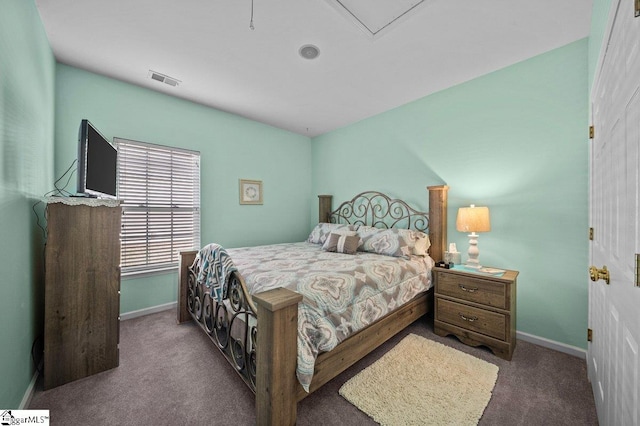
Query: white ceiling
point(208, 46)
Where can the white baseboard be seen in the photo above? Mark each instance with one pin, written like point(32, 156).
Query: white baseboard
point(536, 340)
point(147, 311)
point(552, 344)
point(28, 394)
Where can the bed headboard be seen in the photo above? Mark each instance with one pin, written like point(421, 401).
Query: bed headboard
point(374, 208)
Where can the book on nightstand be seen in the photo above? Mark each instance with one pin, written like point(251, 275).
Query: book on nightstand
point(492, 271)
point(482, 271)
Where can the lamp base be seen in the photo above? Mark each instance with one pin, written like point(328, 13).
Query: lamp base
point(472, 261)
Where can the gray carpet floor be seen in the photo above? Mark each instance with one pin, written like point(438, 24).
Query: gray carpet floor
point(171, 374)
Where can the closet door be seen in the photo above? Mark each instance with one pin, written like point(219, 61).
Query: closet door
point(614, 307)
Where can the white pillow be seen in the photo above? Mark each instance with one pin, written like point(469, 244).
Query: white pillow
point(422, 245)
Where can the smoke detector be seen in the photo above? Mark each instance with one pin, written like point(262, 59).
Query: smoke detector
point(164, 78)
point(309, 51)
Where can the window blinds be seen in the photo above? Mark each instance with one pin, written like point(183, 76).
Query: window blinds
point(159, 189)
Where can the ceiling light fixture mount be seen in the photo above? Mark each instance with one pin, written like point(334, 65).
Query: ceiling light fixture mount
point(251, 21)
point(309, 51)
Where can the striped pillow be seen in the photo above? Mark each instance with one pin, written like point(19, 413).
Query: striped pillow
point(347, 244)
point(340, 231)
point(321, 231)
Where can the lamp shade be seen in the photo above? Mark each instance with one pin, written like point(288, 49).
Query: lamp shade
point(473, 219)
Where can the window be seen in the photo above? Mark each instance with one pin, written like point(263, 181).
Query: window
point(159, 189)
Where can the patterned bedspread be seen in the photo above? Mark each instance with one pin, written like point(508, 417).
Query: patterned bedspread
point(342, 293)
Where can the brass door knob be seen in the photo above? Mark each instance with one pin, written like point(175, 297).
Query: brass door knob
point(599, 274)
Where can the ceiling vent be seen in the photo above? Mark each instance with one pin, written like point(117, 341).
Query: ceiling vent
point(376, 17)
point(164, 78)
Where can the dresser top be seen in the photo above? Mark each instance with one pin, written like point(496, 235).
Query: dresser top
point(82, 201)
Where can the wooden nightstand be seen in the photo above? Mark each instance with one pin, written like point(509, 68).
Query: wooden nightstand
point(479, 309)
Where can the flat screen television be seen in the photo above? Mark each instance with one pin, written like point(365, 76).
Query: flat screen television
point(97, 163)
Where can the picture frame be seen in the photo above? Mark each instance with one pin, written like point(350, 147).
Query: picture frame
point(250, 191)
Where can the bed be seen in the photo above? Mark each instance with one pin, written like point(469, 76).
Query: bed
point(270, 361)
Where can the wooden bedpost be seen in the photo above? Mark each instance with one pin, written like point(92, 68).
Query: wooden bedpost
point(324, 204)
point(276, 357)
point(186, 260)
point(438, 221)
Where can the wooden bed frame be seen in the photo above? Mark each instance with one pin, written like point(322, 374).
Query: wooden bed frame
point(276, 387)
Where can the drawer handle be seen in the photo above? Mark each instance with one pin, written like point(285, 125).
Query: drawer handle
point(468, 290)
point(466, 318)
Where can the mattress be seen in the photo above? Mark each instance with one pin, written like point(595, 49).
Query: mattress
point(342, 293)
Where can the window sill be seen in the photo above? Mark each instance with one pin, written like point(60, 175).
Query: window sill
point(131, 275)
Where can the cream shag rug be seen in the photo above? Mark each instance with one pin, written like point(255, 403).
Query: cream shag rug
point(422, 382)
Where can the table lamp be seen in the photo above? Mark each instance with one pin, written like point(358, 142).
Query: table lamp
point(473, 219)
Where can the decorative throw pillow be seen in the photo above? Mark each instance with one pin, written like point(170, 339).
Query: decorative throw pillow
point(339, 231)
point(347, 244)
point(395, 242)
point(322, 230)
point(388, 242)
point(366, 233)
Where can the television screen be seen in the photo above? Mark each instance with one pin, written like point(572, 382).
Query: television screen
point(97, 163)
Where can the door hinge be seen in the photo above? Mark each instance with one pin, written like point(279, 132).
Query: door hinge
point(591, 129)
point(637, 283)
point(590, 234)
point(589, 335)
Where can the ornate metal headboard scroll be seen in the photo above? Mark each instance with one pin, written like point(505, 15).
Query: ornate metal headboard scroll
point(374, 208)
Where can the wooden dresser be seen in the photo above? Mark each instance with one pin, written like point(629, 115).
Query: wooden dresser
point(82, 291)
point(479, 309)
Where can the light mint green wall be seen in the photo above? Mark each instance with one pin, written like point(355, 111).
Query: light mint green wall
point(27, 69)
point(500, 118)
point(231, 148)
point(513, 140)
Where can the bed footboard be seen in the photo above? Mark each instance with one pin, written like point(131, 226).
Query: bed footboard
point(231, 323)
point(269, 372)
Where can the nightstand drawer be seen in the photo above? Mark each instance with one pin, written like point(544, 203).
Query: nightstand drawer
point(478, 290)
point(489, 323)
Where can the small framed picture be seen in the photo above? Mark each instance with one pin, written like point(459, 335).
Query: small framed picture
point(250, 191)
